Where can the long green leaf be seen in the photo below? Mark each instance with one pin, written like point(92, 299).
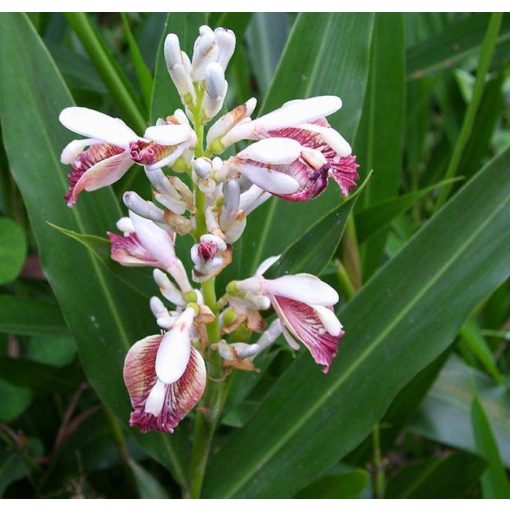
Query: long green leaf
point(104, 315)
point(399, 322)
point(380, 137)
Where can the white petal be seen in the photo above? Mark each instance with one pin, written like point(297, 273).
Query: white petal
point(303, 287)
point(329, 320)
point(300, 111)
point(172, 50)
point(97, 125)
point(156, 399)
point(168, 134)
point(175, 349)
point(73, 149)
point(154, 239)
point(274, 151)
point(266, 264)
point(270, 180)
point(125, 225)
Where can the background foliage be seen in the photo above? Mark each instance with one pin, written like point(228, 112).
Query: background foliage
point(416, 404)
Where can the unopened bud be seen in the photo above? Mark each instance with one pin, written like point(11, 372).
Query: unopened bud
point(228, 317)
point(202, 167)
point(205, 51)
point(216, 89)
point(226, 41)
point(143, 208)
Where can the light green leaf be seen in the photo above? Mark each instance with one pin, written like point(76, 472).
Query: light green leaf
point(397, 324)
point(445, 413)
point(494, 482)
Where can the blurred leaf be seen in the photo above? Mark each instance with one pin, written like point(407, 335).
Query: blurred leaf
point(39, 377)
point(413, 316)
point(450, 477)
point(341, 482)
point(494, 482)
point(23, 316)
point(12, 468)
point(266, 36)
point(142, 72)
point(445, 413)
point(305, 70)
point(148, 486)
point(13, 250)
point(459, 40)
point(104, 315)
point(56, 351)
point(379, 139)
point(14, 400)
point(235, 21)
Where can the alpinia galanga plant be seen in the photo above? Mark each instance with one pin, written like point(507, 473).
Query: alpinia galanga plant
point(295, 152)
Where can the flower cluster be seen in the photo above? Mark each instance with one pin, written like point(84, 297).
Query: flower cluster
point(294, 153)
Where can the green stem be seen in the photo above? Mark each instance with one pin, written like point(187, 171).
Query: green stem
point(104, 63)
point(351, 258)
point(378, 474)
point(344, 282)
point(486, 51)
point(212, 402)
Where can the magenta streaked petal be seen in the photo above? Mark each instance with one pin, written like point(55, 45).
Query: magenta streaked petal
point(128, 251)
point(312, 181)
point(178, 398)
point(98, 166)
point(304, 323)
point(345, 173)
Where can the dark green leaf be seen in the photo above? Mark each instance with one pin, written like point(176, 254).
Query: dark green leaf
point(341, 482)
point(23, 316)
point(148, 486)
point(13, 250)
point(14, 400)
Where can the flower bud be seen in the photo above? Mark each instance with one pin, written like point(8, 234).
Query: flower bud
point(205, 51)
point(226, 41)
point(216, 89)
point(135, 203)
point(167, 288)
point(202, 167)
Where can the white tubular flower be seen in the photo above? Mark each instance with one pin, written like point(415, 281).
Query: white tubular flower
point(178, 66)
point(215, 89)
point(218, 136)
point(210, 256)
point(232, 219)
point(165, 377)
point(135, 203)
point(252, 198)
point(168, 289)
point(202, 175)
point(205, 51)
point(304, 306)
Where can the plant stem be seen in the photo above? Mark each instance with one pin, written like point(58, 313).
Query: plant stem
point(378, 474)
point(351, 258)
point(212, 402)
point(486, 51)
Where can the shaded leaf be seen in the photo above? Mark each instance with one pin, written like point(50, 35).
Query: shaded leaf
point(13, 250)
